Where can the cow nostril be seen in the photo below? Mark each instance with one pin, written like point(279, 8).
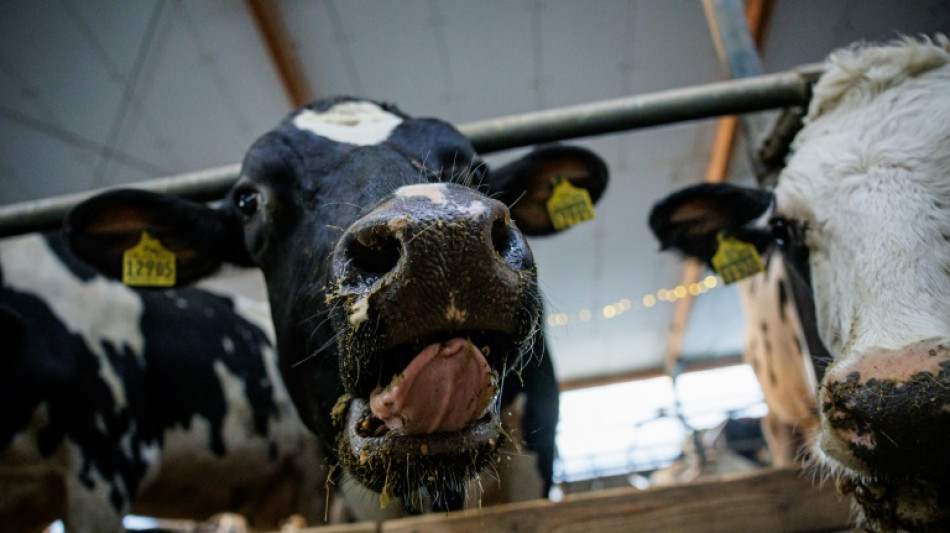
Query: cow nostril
point(376, 258)
point(501, 237)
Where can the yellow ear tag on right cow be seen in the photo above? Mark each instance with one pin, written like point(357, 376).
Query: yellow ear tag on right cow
point(568, 205)
point(148, 264)
point(735, 259)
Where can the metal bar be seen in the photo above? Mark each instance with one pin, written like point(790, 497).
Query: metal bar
point(48, 213)
point(597, 118)
point(735, 45)
point(665, 107)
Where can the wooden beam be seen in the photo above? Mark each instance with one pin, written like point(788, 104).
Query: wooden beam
point(729, 37)
point(770, 500)
point(758, 13)
point(281, 51)
point(694, 365)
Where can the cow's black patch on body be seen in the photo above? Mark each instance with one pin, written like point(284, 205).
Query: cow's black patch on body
point(170, 385)
point(363, 275)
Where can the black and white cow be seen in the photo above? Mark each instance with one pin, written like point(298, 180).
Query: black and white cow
point(861, 216)
point(167, 403)
point(787, 357)
point(403, 293)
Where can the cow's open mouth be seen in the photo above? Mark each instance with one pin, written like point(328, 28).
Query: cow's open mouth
point(433, 423)
point(396, 465)
point(910, 504)
point(368, 435)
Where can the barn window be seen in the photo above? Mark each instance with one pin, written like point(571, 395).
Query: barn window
point(617, 431)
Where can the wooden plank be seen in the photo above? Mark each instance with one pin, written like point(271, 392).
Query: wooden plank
point(770, 500)
point(716, 171)
point(735, 34)
point(707, 363)
point(362, 527)
point(281, 51)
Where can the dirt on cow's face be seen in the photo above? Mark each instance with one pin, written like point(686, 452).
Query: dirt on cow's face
point(908, 504)
point(397, 278)
point(401, 465)
point(433, 303)
point(894, 432)
point(404, 295)
point(892, 426)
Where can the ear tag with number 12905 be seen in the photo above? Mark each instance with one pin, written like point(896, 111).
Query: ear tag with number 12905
point(148, 264)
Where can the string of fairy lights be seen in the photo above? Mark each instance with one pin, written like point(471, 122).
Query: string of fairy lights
point(624, 305)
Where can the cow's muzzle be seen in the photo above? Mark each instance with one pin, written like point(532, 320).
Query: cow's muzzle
point(435, 300)
point(887, 413)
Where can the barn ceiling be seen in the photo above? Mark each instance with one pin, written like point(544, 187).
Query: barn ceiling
point(97, 93)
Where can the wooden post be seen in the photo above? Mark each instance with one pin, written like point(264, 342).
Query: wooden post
point(735, 34)
point(281, 51)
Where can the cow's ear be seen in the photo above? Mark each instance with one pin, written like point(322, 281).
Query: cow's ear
point(101, 229)
point(691, 219)
point(526, 184)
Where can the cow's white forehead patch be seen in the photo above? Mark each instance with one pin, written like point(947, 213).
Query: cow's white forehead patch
point(435, 192)
point(359, 123)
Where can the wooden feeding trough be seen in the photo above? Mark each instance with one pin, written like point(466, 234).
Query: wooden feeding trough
point(764, 501)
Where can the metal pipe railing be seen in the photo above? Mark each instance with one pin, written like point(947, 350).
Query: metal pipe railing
point(732, 97)
point(48, 213)
point(598, 118)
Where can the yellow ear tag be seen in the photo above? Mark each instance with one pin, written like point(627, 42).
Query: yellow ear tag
point(148, 264)
point(568, 205)
point(736, 259)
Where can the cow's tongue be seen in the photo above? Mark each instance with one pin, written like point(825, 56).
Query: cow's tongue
point(446, 386)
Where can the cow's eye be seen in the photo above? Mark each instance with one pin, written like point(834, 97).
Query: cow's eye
point(787, 233)
point(247, 201)
point(779, 228)
point(790, 236)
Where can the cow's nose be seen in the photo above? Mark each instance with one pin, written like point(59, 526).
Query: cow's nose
point(442, 256)
point(372, 251)
point(888, 412)
point(430, 230)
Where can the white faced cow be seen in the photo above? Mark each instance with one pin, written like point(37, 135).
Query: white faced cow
point(861, 216)
point(403, 292)
point(166, 403)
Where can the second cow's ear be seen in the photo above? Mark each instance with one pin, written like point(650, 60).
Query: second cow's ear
point(100, 230)
point(691, 219)
point(527, 184)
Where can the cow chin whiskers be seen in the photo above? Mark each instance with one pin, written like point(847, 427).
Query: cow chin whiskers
point(464, 174)
point(362, 210)
point(325, 315)
point(439, 465)
point(812, 463)
point(330, 342)
point(324, 318)
point(518, 199)
point(826, 469)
